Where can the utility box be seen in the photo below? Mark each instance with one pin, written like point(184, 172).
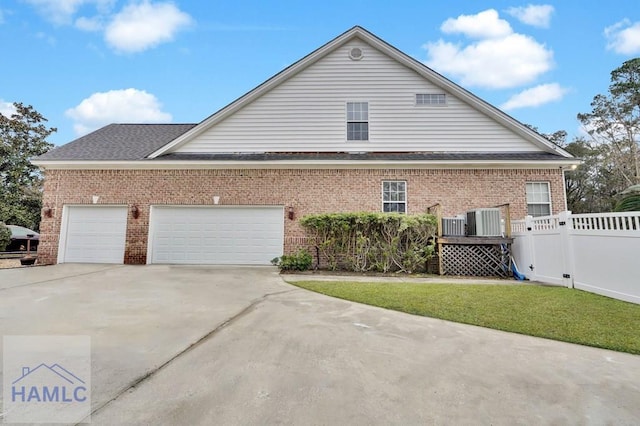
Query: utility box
point(453, 227)
point(484, 223)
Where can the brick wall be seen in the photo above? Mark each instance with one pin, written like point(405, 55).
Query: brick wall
point(308, 191)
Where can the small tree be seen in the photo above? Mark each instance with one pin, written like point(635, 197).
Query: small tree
point(22, 137)
point(614, 122)
point(593, 186)
point(5, 236)
point(630, 201)
point(629, 204)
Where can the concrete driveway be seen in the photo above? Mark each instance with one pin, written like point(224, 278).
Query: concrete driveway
point(223, 345)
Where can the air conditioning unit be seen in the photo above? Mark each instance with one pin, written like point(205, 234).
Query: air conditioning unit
point(484, 223)
point(453, 227)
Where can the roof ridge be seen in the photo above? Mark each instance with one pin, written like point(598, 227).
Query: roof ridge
point(152, 124)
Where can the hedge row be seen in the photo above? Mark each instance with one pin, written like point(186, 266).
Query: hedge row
point(380, 242)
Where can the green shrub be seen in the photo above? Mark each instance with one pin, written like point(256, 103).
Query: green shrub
point(299, 261)
point(380, 242)
point(630, 203)
point(5, 236)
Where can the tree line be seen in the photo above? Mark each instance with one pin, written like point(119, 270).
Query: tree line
point(610, 171)
point(23, 136)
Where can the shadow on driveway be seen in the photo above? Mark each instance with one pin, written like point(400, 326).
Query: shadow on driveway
point(225, 345)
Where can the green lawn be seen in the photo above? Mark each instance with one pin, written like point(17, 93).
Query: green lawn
point(552, 312)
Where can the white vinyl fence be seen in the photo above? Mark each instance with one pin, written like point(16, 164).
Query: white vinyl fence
point(597, 252)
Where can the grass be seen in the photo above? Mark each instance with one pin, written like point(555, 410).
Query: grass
point(557, 313)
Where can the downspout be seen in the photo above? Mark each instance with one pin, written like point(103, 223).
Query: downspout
point(564, 188)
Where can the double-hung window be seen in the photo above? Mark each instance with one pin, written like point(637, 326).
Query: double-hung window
point(538, 199)
point(357, 121)
point(394, 196)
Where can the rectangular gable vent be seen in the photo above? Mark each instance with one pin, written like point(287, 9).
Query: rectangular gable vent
point(431, 99)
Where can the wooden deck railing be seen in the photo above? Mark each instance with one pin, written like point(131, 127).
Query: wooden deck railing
point(436, 210)
point(507, 218)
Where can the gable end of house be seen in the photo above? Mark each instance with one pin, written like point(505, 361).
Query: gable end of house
point(304, 109)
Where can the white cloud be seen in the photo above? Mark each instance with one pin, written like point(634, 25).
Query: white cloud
point(57, 11)
point(7, 109)
point(535, 96)
point(138, 27)
point(486, 24)
point(497, 63)
point(624, 37)
point(116, 106)
point(498, 59)
point(1, 17)
point(49, 39)
point(61, 12)
point(89, 24)
point(584, 131)
point(537, 15)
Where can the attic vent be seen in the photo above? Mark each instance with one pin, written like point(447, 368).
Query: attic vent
point(356, 54)
point(431, 99)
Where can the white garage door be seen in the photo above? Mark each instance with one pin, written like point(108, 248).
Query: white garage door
point(93, 234)
point(216, 235)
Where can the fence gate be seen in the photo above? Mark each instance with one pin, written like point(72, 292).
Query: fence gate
point(592, 252)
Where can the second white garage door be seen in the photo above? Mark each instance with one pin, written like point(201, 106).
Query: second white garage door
point(215, 235)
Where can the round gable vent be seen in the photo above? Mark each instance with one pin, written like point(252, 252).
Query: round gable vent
point(356, 53)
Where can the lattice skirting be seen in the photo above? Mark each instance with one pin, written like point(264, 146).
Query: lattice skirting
point(476, 260)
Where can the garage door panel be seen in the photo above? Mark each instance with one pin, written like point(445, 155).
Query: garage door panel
point(94, 234)
point(216, 235)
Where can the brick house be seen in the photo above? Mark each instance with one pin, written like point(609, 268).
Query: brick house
point(354, 126)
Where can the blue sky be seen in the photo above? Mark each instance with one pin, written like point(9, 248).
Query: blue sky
point(86, 63)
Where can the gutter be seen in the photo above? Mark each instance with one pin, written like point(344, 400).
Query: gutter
point(564, 164)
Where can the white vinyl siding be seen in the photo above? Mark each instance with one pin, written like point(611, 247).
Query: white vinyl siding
point(306, 113)
point(538, 199)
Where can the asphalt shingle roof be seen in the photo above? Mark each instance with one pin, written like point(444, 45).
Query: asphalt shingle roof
point(134, 142)
point(119, 142)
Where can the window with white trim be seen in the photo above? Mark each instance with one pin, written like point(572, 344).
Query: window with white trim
point(538, 199)
point(431, 99)
point(357, 121)
point(394, 196)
